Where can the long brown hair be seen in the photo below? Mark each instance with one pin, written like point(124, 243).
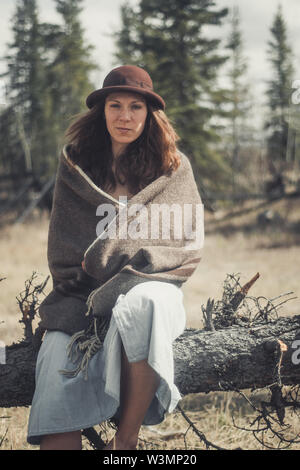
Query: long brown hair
point(153, 154)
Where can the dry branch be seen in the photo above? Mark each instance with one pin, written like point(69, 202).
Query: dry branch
point(239, 348)
point(204, 361)
point(242, 353)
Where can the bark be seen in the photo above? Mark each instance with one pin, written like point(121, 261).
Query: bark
point(231, 358)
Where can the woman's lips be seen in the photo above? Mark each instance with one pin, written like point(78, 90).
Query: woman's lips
point(123, 129)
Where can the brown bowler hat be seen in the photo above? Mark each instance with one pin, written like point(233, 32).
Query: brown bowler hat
point(127, 78)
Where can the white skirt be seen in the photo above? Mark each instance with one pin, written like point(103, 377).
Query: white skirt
point(146, 320)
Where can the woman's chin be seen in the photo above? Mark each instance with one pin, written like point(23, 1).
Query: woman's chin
point(124, 140)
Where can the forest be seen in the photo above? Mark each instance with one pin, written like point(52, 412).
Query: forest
point(247, 171)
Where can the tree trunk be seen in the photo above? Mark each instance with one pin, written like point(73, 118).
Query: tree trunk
point(231, 358)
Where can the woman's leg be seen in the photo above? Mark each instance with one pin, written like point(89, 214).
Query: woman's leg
point(62, 441)
point(139, 383)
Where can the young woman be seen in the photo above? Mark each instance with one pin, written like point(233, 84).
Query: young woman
point(122, 145)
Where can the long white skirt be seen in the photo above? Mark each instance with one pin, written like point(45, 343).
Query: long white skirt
point(146, 320)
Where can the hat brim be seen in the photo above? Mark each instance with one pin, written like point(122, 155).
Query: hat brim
point(100, 94)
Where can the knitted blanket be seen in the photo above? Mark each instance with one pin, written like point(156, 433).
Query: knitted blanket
point(157, 234)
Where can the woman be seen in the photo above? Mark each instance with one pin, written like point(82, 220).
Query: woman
point(124, 147)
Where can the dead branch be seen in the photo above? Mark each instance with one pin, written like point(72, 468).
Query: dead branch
point(244, 345)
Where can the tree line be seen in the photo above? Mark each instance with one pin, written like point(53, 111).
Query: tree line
point(48, 77)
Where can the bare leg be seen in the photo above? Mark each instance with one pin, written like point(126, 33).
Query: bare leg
point(62, 441)
point(139, 383)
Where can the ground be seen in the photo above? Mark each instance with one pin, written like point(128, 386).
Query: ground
point(232, 245)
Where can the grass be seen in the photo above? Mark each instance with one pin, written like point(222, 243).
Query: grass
point(237, 245)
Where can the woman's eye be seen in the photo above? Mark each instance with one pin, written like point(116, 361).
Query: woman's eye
point(134, 106)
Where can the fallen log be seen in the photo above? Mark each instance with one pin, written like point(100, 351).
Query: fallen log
point(244, 344)
point(236, 357)
point(227, 359)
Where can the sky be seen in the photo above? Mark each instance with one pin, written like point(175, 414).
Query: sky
point(100, 18)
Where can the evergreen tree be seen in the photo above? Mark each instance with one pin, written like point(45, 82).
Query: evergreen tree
point(238, 98)
point(68, 73)
point(72, 64)
point(168, 38)
point(48, 69)
point(278, 94)
point(25, 116)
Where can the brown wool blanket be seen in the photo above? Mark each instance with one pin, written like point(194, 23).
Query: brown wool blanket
point(157, 234)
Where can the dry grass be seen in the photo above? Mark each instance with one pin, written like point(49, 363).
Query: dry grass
point(275, 254)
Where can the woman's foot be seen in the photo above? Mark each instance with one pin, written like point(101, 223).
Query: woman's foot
point(117, 443)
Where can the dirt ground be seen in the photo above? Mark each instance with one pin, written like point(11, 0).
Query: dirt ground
point(234, 245)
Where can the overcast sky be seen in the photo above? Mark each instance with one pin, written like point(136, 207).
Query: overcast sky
point(101, 17)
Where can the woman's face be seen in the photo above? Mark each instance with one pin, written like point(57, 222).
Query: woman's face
point(125, 115)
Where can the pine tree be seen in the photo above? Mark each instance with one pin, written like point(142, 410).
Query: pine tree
point(278, 94)
point(67, 74)
point(167, 37)
point(25, 116)
point(48, 69)
point(72, 64)
point(238, 98)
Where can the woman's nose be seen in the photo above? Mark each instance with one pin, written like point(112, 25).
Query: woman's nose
point(125, 114)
